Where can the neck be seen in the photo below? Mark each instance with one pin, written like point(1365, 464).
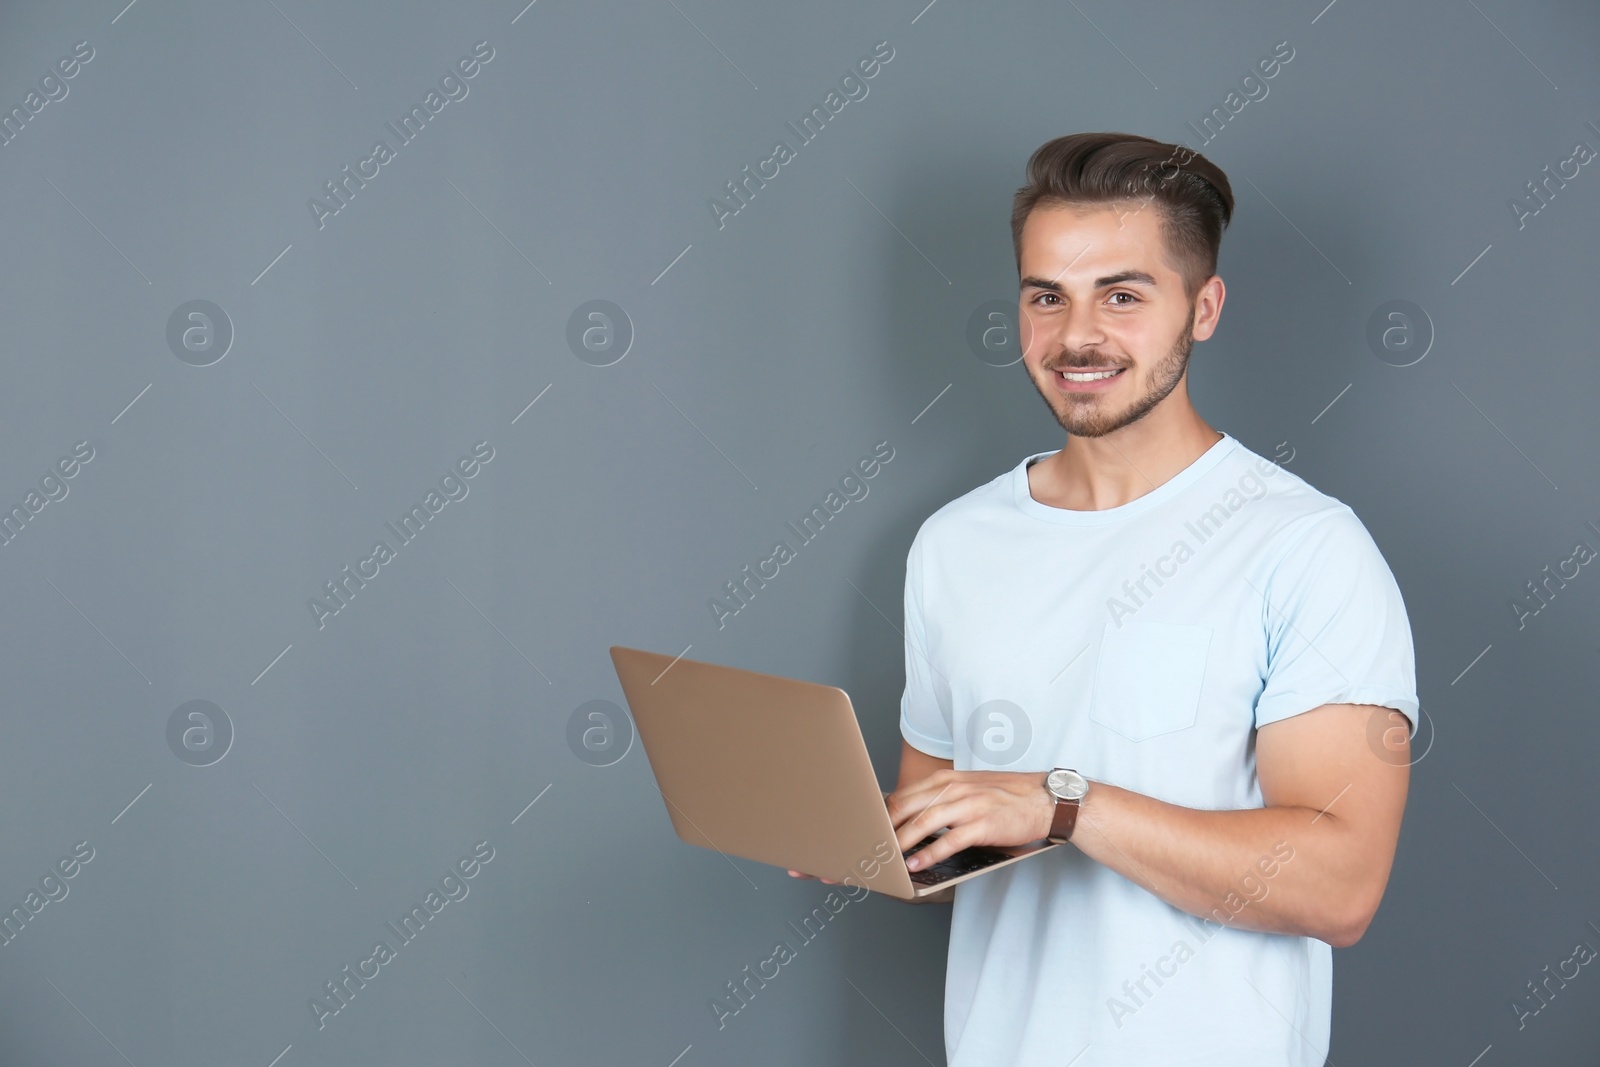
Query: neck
point(1097, 473)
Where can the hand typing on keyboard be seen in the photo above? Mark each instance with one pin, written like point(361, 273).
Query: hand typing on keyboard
point(978, 807)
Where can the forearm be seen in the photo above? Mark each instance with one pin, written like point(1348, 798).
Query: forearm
point(1286, 869)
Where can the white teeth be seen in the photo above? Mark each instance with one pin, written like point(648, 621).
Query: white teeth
point(1087, 376)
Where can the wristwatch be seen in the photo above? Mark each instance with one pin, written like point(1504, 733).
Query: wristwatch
point(1068, 788)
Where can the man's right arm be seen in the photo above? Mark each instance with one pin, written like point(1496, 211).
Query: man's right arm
point(916, 765)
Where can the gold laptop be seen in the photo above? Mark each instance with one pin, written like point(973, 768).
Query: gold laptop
point(776, 770)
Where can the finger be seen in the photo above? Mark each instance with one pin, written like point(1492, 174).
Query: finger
point(912, 797)
point(917, 797)
point(966, 828)
point(918, 826)
point(943, 847)
point(935, 815)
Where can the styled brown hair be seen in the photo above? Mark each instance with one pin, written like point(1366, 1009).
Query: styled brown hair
point(1190, 191)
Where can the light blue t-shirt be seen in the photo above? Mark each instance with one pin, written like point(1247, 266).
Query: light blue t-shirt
point(1142, 645)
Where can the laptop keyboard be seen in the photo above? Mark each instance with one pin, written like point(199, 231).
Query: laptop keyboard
point(967, 860)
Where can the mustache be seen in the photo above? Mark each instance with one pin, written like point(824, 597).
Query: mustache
point(1082, 363)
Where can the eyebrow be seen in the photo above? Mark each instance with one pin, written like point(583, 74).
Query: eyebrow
point(1138, 277)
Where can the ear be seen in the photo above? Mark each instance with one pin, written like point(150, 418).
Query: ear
point(1208, 307)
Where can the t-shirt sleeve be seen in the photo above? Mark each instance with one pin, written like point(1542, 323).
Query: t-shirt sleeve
point(923, 724)
point(1336, 626)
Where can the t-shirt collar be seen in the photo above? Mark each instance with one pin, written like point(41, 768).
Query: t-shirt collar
point(1168, 489)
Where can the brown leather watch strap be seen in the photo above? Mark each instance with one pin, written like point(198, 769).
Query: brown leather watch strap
point(1066, 817)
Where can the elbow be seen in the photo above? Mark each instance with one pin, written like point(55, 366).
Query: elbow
point(1348, 923)
point(1343, 935)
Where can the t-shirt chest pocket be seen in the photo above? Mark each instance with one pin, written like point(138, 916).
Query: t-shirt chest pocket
point(1148, 677)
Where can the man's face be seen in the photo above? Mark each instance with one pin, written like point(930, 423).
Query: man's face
point(1106, 326)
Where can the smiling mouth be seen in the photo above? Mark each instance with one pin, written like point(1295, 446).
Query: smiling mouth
point(1089, 375)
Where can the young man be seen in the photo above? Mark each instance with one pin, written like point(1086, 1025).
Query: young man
point(1211, 650)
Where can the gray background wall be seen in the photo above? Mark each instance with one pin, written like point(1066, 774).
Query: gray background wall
point(371, 353)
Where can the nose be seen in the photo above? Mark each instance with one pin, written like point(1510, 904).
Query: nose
point(1074, 328)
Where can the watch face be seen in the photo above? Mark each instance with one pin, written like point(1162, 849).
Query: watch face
point(1068, 785)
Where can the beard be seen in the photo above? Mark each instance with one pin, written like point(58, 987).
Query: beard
point(1088, 414)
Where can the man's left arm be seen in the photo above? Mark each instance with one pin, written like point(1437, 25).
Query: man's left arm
point(1314, 861)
